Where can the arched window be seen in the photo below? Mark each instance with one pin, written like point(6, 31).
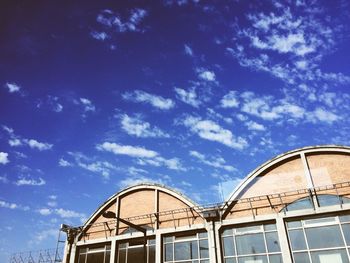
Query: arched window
point(323, 200)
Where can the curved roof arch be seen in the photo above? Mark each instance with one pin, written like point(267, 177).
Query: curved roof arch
point(141, 186)
point(281, 158)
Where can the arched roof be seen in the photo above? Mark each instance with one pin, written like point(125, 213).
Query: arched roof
point(281, 158)
point(137, 187)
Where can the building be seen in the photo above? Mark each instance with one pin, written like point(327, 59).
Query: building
point(293, 208)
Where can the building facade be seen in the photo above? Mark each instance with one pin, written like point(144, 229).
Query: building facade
point(293, 208)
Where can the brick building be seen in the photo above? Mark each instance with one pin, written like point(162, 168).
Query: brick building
point(293, 208)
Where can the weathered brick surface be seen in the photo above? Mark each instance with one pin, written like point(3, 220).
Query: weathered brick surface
point(329, 168)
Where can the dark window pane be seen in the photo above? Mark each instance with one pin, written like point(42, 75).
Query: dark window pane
point(304, 203)
point(229, 249)
point(203, 235)
point(270, 227)
point(272, 242)
point(297, 239)
point(121, 255)
point(82, 258)
point(250, 244)
point(204, 248)
point(194, 250)
point(294, 224)
point(168, 252)
point(135, 254)
point(327, 200)
point(151, 254)
point(315, 237)
point(254, 259)
point(345, 218)
point(230, 260)
point(107, 256)
point(227, 232)
point(330, 256)
point(276, 259)
point(168, 239)
point(301, 258)
point(95, 257)
point(182, 250)
point(346, 231)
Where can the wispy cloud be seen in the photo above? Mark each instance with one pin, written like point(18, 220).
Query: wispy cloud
point(230, 100)
point(12, 87)
point(154, 100)
point(16, 140)
point(139, 128)
point(206, 75)
point(30, 182)
point(4, 158)
point(13, 206)
point(211, 131)
point(41, 146)
point(133, 151)
point(188, 96)
point(216, 162)
point(93, 165)
point(188, 50)
point(115, 23)
point(144, 155)
point(87, 104)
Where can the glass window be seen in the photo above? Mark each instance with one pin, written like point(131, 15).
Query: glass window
point(186, 249)
point(95, 254)
point(133, 251)
point(320, 240)
point(332, 233)
point(252, 244)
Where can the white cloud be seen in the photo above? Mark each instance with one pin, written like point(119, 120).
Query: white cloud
point(230, 100)
point(133, 151)
point(188, 50)
point(88, 106)
point(210, 130)
point(65, 213)
point(206, 75)
point(99, 35)
point(4, 179)
point(135, 126)
point(31, 182)
point(217, 162)
point(254, 126)
point(34, 144)
point(113, 21)
point(45, 211)
point(172, 164)
point(15, 142)
point(322, 115)
point(64, 163)
point(188, 97)
point(154, 100)
point(12, 87)
point(4, 158)
point(13, 206)
point(103, 168)
point(46, 234)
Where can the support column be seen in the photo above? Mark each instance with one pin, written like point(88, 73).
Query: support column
point(282, 236)
point(211, 241)
point(158, 248)
point(218, 241)
point(72, 253)
point(113, 251)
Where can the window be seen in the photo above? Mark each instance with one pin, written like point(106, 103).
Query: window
point(251, 244)
point(186, 249)
point(323, 200)
point(320, 240)
point(95, 254)
point(132, 251)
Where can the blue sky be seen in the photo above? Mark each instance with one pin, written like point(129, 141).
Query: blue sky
point(99, 95)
